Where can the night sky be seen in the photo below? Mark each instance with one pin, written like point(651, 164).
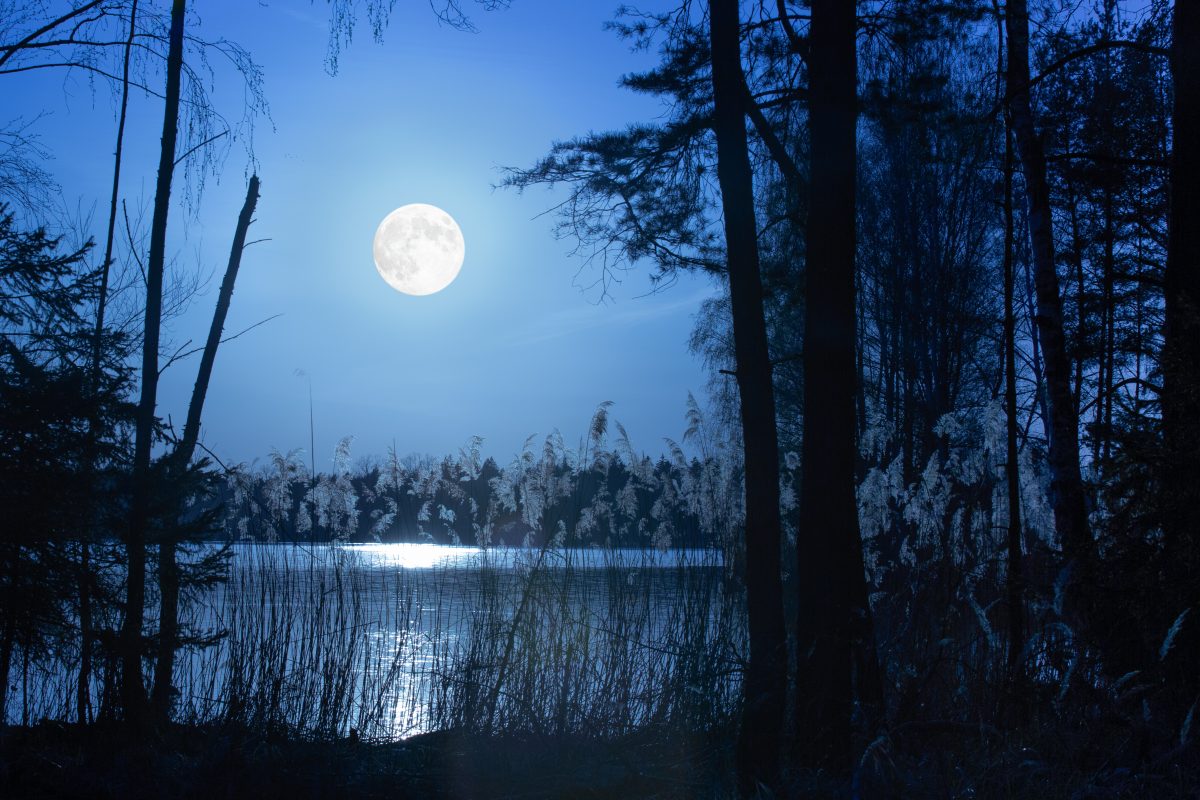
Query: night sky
point(517, 345)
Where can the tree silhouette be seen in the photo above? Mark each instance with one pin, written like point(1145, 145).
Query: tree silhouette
point(133, 692)
point(1066, 482)
point(765, 682)
point(829, 549)
point(1181, 347)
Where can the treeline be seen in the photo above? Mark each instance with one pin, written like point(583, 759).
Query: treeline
point(597, 495)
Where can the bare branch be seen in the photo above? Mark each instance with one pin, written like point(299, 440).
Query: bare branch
point(207, 141)
point(49, 26)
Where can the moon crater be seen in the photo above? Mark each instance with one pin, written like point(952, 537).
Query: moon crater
point(419, 249)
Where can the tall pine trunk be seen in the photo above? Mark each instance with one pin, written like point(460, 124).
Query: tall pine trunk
point(1066, 483)
point(829, 546)
point(866, 657)
point(133, 692)
point(1181, 350)
point(168, 567)
point(765, 683)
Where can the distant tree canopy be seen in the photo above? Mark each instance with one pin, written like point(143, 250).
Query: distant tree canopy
point(597, 496)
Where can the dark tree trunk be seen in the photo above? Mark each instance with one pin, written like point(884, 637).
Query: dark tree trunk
point(168, 567)
point(7, 643)
point(765, 682)
point(9, 638)
point(1012, 474)
point(83, 694)
point(1035, 346)
point(1066, 483)
point(866, 657)
point(1103, 418)
point(1181, 351)
point(1081, 326)
point(829, 546)
point(860, 379)
point(1014, 578)
point(83, 701)
point(191, 428)
point(133, 692)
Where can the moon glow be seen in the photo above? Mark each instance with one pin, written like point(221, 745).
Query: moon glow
point(418, 249)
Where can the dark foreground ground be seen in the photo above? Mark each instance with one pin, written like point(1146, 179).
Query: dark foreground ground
point(52, 760)
point(938, 761)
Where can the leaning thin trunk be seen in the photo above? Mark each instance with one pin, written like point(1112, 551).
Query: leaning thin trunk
point(133, 692)
point(765, 683)
point(168, 567)
point(1066, 483)
point(829, 547)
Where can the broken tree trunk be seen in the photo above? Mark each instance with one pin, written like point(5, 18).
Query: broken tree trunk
point(168, 567)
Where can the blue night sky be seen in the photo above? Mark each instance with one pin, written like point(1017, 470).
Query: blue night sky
point(513, 347)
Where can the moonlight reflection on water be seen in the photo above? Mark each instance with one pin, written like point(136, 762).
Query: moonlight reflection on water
point(429, 556)
point(397, 639)
point(392, 640)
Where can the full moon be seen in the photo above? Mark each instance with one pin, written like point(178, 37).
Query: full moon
point(418, 249)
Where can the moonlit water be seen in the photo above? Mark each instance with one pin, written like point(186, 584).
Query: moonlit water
point(388, 640)
point(412, 556)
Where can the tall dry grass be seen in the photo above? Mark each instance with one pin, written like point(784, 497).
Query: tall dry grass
point(320, 642)
point(567, 635)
